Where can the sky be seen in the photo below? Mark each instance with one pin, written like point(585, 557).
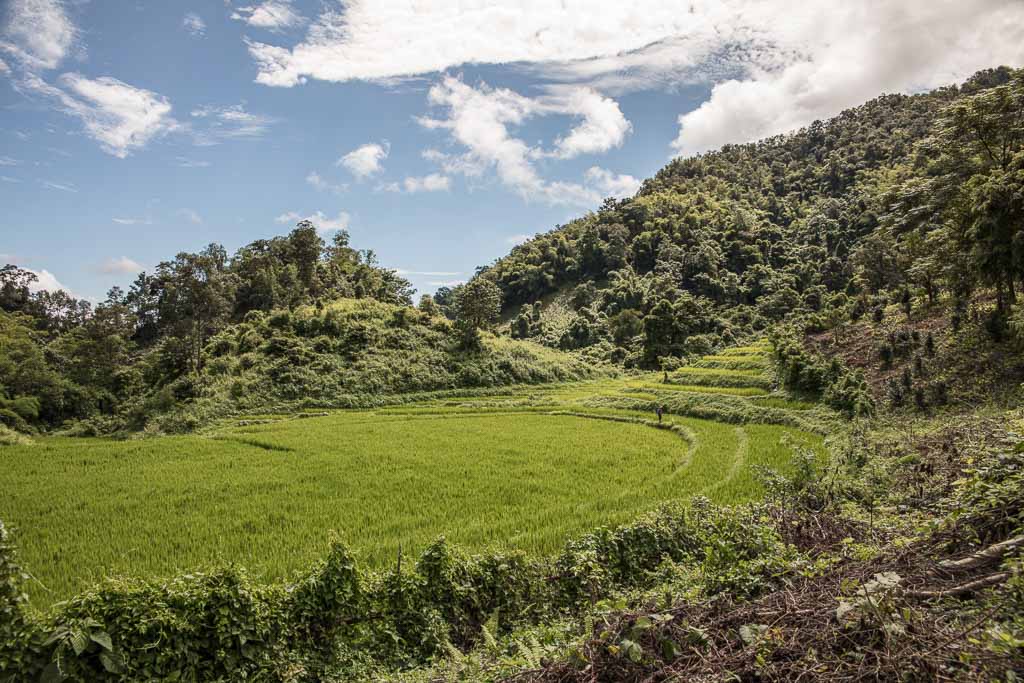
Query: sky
point(439, 133)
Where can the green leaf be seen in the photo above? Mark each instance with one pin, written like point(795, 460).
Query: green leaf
point(669, 650)
point(110, 662)
point(632, 650)
point(102, 638)
point(79, 642)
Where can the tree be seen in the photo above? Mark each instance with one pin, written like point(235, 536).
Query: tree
point(306, 247)
point(428, 306)
point(477, 304)
point(15, 286)
point(196, 299)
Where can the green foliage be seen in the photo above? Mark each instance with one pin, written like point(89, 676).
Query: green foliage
point(220, 625)
point(801, 370)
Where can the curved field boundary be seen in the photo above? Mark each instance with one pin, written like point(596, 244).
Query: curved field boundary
point(687, 434)
point(738, 461)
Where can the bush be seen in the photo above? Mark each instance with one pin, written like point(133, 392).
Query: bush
point(839, 386)
point(221, 625)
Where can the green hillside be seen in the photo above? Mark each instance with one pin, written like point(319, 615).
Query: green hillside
point(838, 218)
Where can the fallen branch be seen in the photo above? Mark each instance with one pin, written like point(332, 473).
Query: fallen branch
point(964, 588)
point(987, 556)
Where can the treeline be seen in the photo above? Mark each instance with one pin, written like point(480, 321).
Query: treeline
point(62, 358)
point(915, 197)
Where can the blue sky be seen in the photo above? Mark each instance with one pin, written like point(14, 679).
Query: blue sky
point(437, 136)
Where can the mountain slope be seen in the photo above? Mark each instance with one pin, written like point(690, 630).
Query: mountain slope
point(718, 246)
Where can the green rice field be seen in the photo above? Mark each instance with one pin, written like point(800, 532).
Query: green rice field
point(523, 470)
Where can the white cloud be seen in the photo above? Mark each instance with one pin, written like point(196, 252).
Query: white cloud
point(445, 283)
point(38, 33)
point(46, 281)
point(194, 24)
point(289, 217)
point(120, 266)
point(435, 182)
point(518, 239)
point(4, 69)
point(380, 39)
point(117, 115)
point(191, 216)
point(847, 53)
point(366, 160)
point(479, 119)
point(322, 222)
point(275, 15)
point(318, 182)
point(212, 125)
point(611, 184)
point(9, 179)
point(133, 221)
point(9, 161)
point(63, 187)
point(774, 67)
point(603, 126)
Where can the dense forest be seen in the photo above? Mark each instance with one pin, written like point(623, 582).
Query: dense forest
point(872, 207)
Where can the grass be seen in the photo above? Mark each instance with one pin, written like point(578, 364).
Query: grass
point(521, 468)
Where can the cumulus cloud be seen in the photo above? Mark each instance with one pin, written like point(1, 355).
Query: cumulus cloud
point(319, 219)
point(120, 266)
point(845, 53)
point(366, 160)
point(603, 126)
point(4, 69)
point(119, 116)
point(611, 184)
point(274, 15)
point(480, 118)
point(212, 125)
point(37, 33)
point(9, 161)
point(46, 281)
point(518, 239)
point(194, 24)
point(435, 182)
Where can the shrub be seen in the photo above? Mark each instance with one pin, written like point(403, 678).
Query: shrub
point(839, 386)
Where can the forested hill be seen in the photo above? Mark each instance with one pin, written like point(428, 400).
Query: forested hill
point(287, 322)
point(718, 246)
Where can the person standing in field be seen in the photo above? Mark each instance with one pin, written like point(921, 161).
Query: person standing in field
point(659, 410)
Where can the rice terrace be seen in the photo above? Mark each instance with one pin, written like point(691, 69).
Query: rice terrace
point(518, 470)
point(374, 341)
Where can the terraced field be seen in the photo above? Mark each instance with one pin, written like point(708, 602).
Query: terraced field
point(526, 468)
